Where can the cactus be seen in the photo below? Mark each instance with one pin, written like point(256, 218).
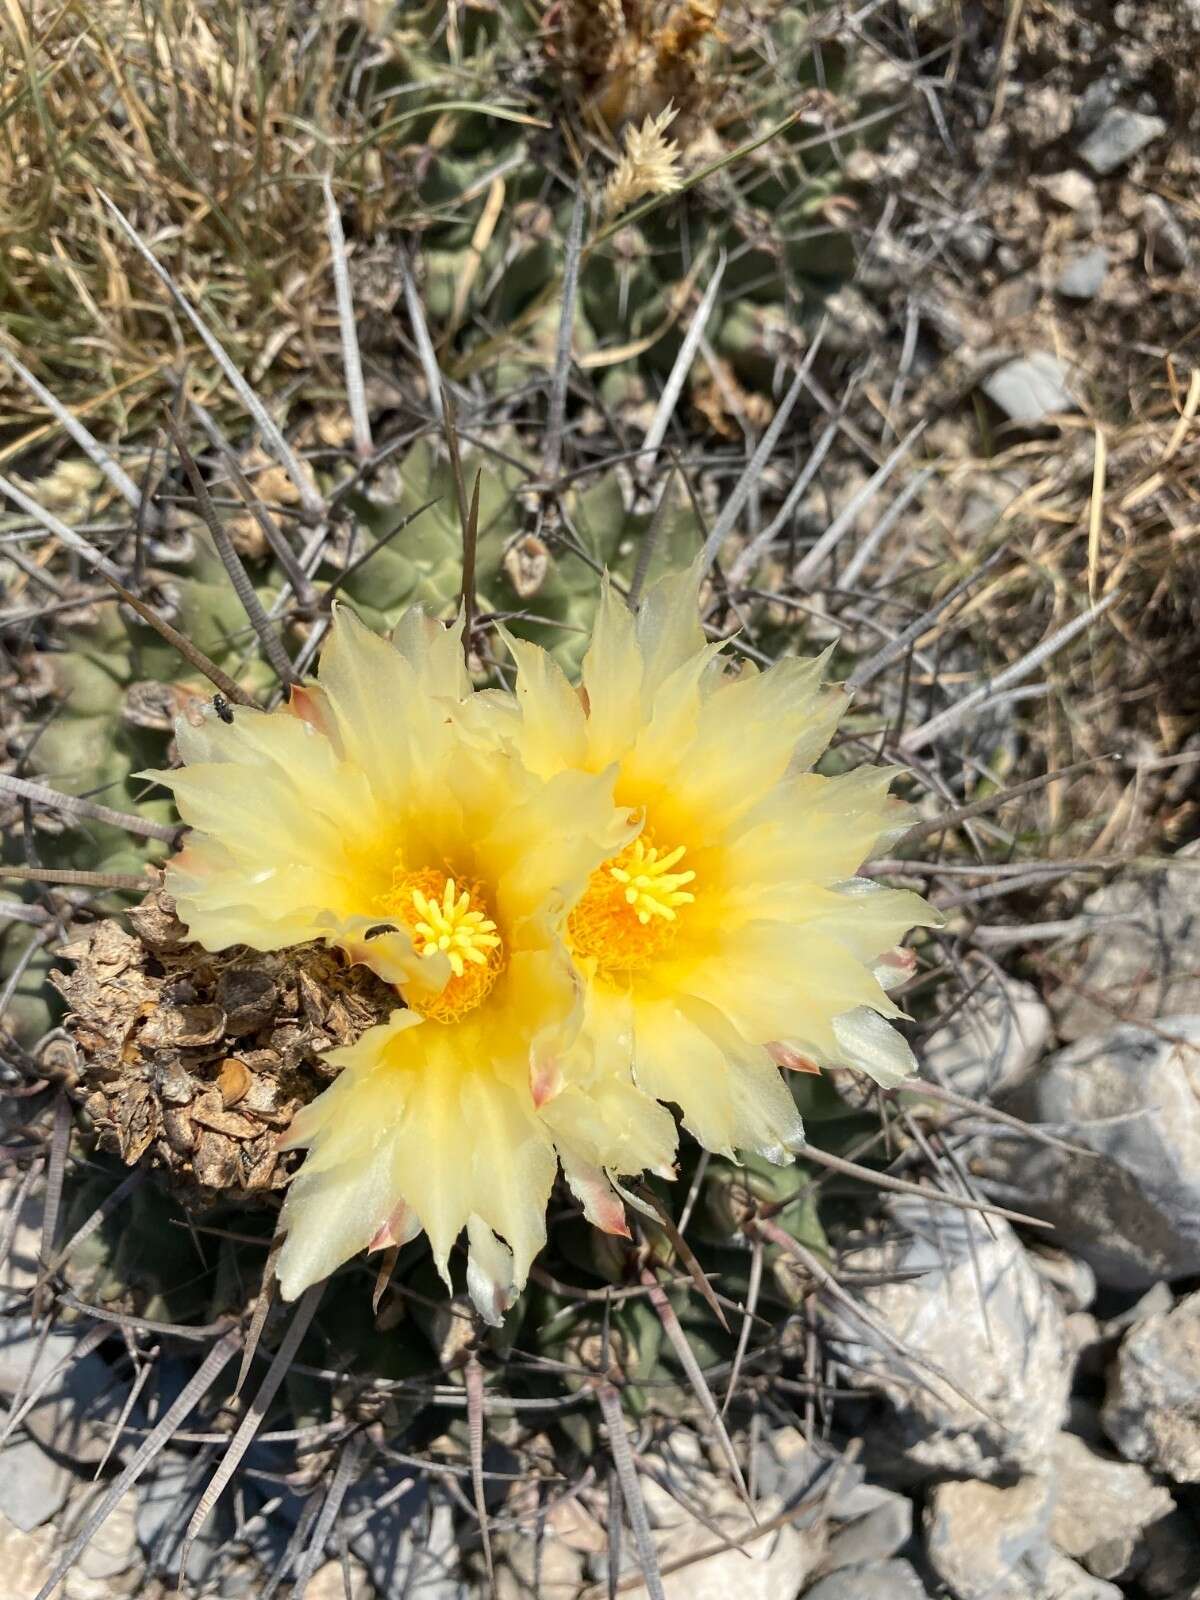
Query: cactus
point(195, 1108)
point(728, 78)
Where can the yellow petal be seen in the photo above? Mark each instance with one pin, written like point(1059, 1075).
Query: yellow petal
point(435, 653)
point(612, 680)
point(553, 734)
point(490, 1277)
point(668, 626)
point(731, 1095)
point(540, 850)
point(780, 982)
point(415, 1117)
point(752, 731)
point(814, 829)
point(384, 721)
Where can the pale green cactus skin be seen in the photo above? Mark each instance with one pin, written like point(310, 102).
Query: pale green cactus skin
point(423, 565)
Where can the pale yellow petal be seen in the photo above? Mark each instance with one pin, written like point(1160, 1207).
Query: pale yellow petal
point(655, 773)
point(491, 1281)
point(869, 920)
point(553, 731)
point(780, 982)
point(384, 721)
point(435, 653)
point(541, 848)
point(591, 1186)
point(416, 1117)
point(387, 948)
point(610, 1122)
point(612, 680)
point(346, 1189)
point(814, 829)
point(731, 1095)
point(512, 1165)
point(872, 1045)
point(751, 731)
point(668, 626)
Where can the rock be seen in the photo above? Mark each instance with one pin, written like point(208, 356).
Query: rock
point(19, 1269)
point(165, 1501)
point(1158, 1298)
point(33, 1487)
point(69, 1418)
point(992, 1042)
point(1083, 276)
point(1132, 1211)
point(881, 1532)
point(1143, 959)
point(1099, 97)
point(872, 1522)
point(26, 1559)
point(1000, 1338)
point(386, 1542)
point(546, 1565)
point(113, 1548)
point(1030, 388)
point(1066, 1580)
point(1152, 1406)
point(1074, 191)
point(1118, 137)
point(771, 1568)
point(1102, 1506)
point(990, 1543)
point(1073, 1279)
point(327, 1582)
point(883, 1580)
point(1166, 242)
point(790, 1468)
point(973, 242)
point(1086, 1342)
point(414, 1558)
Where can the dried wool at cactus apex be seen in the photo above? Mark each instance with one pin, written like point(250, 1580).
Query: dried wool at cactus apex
point(363, 815)
point(732, 935)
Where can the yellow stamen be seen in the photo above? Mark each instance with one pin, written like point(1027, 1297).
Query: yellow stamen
point(454, 927)
point(449, 918)
point(651, 888)
point(629, 911)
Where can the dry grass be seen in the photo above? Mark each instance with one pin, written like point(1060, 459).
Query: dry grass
point(209, 124)
point(1103, 508)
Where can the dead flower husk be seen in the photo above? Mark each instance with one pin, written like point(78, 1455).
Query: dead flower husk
point(200, 1060)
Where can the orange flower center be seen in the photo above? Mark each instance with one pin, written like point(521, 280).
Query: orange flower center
point(448, 916)
point(628, 915)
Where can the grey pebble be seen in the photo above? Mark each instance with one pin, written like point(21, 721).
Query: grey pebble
point(1083, 277)
point(1030, 388)
point(1118, 137)
point(883, 1580)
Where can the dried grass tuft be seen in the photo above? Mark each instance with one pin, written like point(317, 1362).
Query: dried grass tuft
point(210, 124)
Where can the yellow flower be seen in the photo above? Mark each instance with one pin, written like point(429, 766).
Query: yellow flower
point(362, 815)
point(732, 935)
